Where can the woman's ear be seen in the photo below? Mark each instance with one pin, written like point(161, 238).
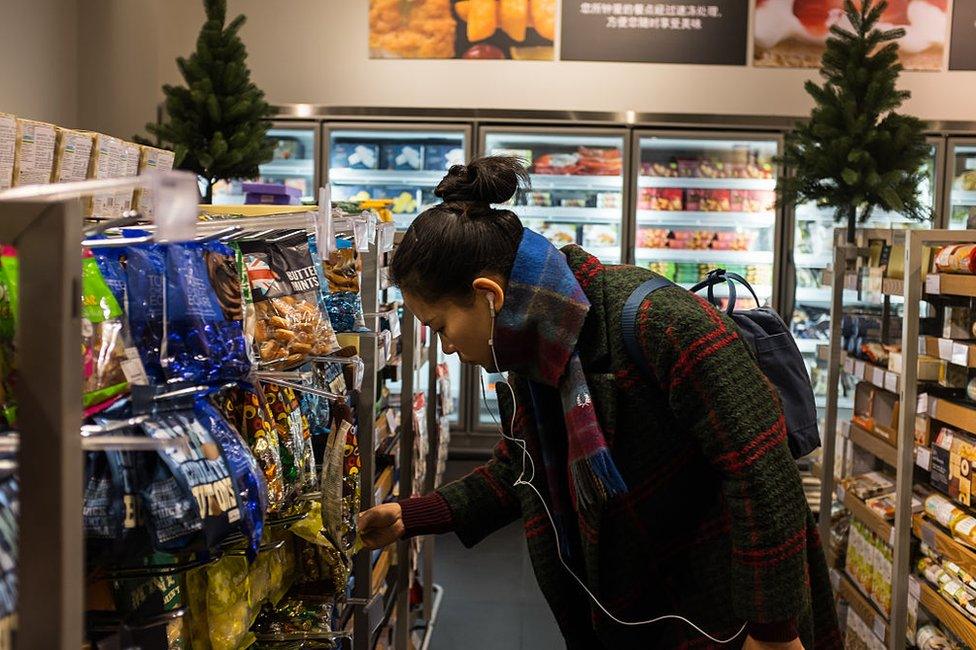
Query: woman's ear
point(486, 287)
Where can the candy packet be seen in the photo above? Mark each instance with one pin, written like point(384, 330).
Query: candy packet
point(110, 263)
point(246, 409)
point(229, 610)
point(252, 491)
point(344, 302)
point(201, 344)
point(192, 490)
point(293, 432)
point(146, 293)
point(105, 360)
point(284, 287)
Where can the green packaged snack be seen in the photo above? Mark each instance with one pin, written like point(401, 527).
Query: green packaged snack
point(103, 338)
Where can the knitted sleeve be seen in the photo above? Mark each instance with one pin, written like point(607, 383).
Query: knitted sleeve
point(483, 501)
point(717, 390)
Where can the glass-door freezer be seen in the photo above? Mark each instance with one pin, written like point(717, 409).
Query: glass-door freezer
point(704, 201)
point(400, 162)
point(294, 164)
point(577, 197)
point(960, 201)
point(811, 254)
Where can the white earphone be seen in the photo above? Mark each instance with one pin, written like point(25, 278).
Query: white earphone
point(528, 463)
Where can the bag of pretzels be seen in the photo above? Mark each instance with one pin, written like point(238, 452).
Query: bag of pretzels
point(290, 326)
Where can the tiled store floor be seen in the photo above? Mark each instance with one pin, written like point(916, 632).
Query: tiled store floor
point(491, 599)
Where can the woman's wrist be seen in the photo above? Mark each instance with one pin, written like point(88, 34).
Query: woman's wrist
point(426, 515)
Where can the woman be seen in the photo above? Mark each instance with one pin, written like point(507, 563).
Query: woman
point(666, 494)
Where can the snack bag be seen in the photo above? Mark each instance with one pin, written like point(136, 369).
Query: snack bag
point(246, 409)
point(252, 491)
point(146, 291)
point(193, 490)
point(195, 584)
point(8, 410)
point(290, 327)
point(229, 612)
point(202, 345)
point(103, 345)
point(344, 302)
point(109, 262)
point(292, 428)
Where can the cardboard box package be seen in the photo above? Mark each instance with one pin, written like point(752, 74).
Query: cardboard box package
point(72, 155)
point(129, 166)
point(8, 145)
point(151, 160)
point(106, 162)
point(34, 154)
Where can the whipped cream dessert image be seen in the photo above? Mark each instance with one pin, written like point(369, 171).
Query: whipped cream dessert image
point(793, 33)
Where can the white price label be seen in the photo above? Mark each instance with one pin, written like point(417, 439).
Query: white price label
point(891, 537)
point(878, 377)
point(923, 404)
point(923, 457)
point(891, 382)
point(914, 590)
point(933, 283)
point(945, 349)
point(880, 627)
point(859, 367)
point(960, 354)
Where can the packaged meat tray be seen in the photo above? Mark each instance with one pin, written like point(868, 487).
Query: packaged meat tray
point(557, 164)
point(560, 234)
point(600, 235)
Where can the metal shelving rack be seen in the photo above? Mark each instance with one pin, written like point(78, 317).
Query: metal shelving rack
point(901, 452)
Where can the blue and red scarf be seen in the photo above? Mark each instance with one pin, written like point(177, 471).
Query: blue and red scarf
point(536, 334)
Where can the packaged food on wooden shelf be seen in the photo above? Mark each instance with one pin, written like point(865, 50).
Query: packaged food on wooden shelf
point(957, 322)
point(870, 485)
point(72, 155)
point(884, 505)
point(868, 564)
point(151, 160)
point(961, 525)
point(8, 144)
point(956, 258)
point(949, 587)
point(930, 637)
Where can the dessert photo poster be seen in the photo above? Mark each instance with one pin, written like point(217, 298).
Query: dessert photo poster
point(793, 33)
point(462, 29)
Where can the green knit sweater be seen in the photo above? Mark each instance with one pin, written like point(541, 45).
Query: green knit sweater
point(714, 527)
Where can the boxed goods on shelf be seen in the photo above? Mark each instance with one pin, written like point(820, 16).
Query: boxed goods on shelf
point(869, 564)
point(34, 155)
point(8, 145)
point(72, 155)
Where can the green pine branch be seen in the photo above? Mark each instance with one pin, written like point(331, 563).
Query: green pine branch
point(856, 153)
point(216, 122)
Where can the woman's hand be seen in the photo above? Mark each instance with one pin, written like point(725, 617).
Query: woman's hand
point(380, 525)
point(752, 644)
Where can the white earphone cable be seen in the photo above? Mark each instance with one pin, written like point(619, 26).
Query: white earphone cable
point(527, 462)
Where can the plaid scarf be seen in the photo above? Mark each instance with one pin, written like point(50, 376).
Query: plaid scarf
point(536, 333)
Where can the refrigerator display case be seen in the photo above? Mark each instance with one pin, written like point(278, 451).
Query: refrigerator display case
point(704, 201)
point(400, 162)
point(295, 164)
point(577, 175)
point(812, 253)
point(960, 207)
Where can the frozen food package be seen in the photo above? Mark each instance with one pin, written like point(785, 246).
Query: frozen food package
point(106, 162)
point(344, 302)
point(34, 154)
point(151, 160)
point(285, 288)
point(8, 145)
point(560, 234)
point(600, 235)
point(956, 258)
point(72, 155)
point(105, 360)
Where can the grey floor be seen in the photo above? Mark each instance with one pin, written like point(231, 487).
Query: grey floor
point(491, 598)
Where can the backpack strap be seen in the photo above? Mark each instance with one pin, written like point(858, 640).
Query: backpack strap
point(628, 323)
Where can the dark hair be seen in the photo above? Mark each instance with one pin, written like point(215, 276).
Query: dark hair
point(452, 243)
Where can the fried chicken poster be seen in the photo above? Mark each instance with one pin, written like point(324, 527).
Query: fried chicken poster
point(462, 29)
point(793, 33)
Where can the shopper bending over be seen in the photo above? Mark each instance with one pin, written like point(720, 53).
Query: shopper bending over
point(671, 494)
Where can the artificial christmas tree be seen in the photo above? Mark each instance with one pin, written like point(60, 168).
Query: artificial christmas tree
point(216, 122)
point(855, 152)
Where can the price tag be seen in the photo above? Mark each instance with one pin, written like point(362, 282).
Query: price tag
point(891, 537)
point(878, 377)
point(880, 627)
point(324, 235)
point(933, 283)
point(945, 349)
point(923, 404)
point(923, 457)
point(914, 590)
point(960, 354)
point(176, 208)
point(891, 381)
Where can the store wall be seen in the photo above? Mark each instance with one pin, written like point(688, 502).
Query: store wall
point(38, 59)
point(315, 51)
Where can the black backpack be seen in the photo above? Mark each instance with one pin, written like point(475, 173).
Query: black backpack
point(771, 344)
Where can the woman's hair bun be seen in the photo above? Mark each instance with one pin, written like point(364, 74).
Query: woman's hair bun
point(491, 179)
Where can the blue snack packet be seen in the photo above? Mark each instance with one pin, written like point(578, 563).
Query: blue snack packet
point(252, 491)
point(146, 290)
point(202, 345)
point(109, 262)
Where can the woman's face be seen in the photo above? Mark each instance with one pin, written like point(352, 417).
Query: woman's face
point(464, 327)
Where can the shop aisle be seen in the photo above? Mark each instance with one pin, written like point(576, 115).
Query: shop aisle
point(491, 598)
